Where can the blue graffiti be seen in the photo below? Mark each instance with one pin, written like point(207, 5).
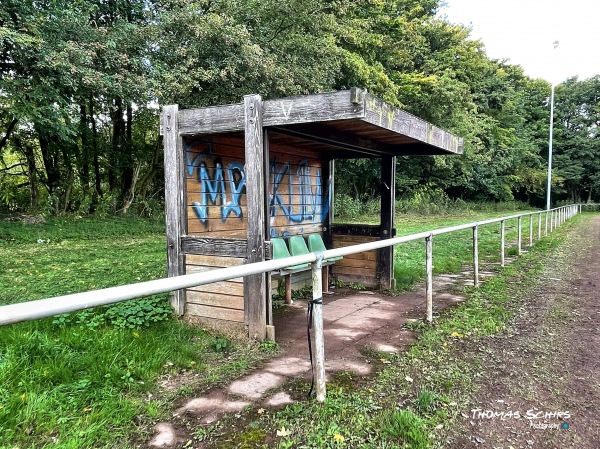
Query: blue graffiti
point(214, 188)
point(311, 205)
point(224, 187)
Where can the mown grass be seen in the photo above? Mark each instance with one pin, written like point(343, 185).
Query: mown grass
point(92, 379)
point(414, 396)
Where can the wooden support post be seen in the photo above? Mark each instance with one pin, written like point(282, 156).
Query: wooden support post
point(255, 304)
point(267, 233)
point(546, 225)
point(531, 230)
point(385, 262)
point(519, 239)
point(175, 212)
point(475, 256)
point(327, 171)
point(318, 327)
point(429, 272)
point(551, 220)
point(502, 244)
point(539, 226)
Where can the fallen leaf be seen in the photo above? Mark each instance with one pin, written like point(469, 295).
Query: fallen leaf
point(283, 432)
point(456, 335)
point(408, 379)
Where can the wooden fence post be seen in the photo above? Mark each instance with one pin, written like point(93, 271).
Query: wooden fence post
point(539, 226)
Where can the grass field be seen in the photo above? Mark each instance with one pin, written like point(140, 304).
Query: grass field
point(91, 379)
point(98, 378)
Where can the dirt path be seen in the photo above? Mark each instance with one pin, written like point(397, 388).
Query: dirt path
point(541, 384)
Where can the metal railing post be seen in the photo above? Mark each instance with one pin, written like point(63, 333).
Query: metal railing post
point(519, 226)
point(475, 256)
point(531, 230)
point(539, 226)
point(429, 274)
point(502, 236)
point(317, 314)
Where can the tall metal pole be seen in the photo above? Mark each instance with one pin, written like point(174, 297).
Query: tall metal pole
point(549, 187)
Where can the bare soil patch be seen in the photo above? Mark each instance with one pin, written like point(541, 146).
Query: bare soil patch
point(540, 387)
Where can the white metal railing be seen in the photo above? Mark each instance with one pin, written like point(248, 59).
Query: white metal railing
point(43, 308)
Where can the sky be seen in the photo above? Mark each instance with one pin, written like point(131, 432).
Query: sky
point(523, 32)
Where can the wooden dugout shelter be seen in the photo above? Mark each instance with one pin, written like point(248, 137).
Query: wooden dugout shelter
point(238, 175)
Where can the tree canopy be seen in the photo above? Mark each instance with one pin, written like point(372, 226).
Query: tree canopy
point(80, 83)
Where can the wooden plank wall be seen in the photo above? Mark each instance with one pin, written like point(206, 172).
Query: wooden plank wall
point(358, 268)
point(216, 208)
point(298, 203)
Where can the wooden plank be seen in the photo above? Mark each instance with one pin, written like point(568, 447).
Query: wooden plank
point(300, 109)
point(385, 260)
point(357, 263)
point(367, 281)
point(312, 108)
point(223, 287)
point(356, 230)
point(255, 285)
point(217, 226)
point(214, 246)
point(214, 261)
point(383, 114)
point(299, 229)
point(340, 269)
point(215, 300)
point(215, 119)
point(369, 255)
point(174, 193)
point(204, 269)
point(346, 240)
point(218, 313)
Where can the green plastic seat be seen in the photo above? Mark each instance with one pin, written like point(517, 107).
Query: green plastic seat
point(298, 245)
point(315, 243)
point(280, 251)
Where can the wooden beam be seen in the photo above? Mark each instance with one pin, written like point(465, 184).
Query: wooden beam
point(206, 246)
point(385, 261)
point(383, 114)
point(255, 285)
point(336, 139)
point(313, 108)
point(212, 120)
point(284, 111)
point(359, 230)
point(175, 214)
